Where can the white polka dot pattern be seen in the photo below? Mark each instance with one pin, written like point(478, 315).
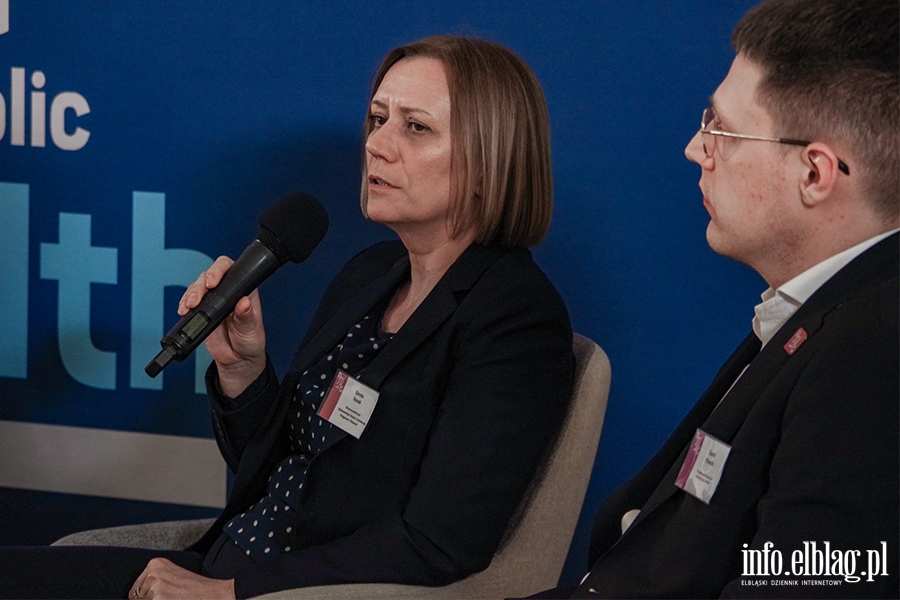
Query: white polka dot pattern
point(266, 530)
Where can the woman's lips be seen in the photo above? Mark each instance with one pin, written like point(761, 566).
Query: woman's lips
point(379, 182)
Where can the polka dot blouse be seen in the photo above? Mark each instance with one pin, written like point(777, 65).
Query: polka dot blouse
point(266, 530)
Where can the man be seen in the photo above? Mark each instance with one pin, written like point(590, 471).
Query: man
point(783, 479)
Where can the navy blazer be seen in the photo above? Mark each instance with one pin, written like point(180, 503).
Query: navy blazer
point(473, 389)
point(814, 457)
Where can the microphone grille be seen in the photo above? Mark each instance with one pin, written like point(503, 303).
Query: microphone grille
point(293, 226)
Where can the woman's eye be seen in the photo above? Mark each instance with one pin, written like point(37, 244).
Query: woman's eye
point(417, 126)
point(378, 120)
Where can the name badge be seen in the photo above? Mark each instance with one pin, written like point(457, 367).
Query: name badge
point(703, 466)
point(349, 404)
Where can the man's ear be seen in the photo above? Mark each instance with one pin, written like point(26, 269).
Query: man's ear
point(823, 170)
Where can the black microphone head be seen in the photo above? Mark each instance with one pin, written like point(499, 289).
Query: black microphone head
point(293, 227)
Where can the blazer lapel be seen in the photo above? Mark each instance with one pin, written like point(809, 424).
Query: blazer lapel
point(335, 329)
point(434, 310)
point(437, 307)
point(723, 420)
point(726, 413)
point(867, 270)
point(743, 356)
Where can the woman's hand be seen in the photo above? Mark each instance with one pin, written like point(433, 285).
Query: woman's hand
point(238, 345)
point(164, 579)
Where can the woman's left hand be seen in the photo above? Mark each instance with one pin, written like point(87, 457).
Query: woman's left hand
point(164, 579)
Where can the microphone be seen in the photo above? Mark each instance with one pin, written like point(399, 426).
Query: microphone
point(289, 229)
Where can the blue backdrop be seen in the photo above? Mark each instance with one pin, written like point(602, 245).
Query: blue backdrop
point(140, 140)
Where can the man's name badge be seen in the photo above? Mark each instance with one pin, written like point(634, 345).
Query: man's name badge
point(349, 404)
point(703, 466)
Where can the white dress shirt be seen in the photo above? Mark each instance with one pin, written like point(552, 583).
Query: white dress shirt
point(778, 305)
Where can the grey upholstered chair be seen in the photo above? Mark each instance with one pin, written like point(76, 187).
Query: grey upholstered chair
point(537, 539)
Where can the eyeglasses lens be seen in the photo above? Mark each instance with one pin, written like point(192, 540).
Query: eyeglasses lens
point(709, 141)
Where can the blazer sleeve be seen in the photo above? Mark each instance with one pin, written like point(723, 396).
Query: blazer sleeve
point(237, 420)
point(505, 397)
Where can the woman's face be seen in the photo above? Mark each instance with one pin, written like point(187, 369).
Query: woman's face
point(408, 149)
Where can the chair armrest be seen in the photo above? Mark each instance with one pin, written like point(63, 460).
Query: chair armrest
point(167, 535)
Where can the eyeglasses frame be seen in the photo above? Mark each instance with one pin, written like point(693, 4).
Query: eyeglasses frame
point(842, 166)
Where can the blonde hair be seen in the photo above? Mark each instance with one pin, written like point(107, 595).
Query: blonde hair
point(501, 184)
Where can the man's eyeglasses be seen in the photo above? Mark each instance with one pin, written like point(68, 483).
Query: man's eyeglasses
point(709, 136)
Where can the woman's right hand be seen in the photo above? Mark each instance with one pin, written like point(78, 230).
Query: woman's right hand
point(238, 344)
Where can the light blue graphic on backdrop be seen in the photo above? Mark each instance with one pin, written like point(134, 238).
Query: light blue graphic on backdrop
point(153, 268)
point(4, 16)
point(76, 264)
point(14, 279)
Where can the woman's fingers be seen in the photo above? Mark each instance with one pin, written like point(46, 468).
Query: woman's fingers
point(206, 281)
point(164, 580)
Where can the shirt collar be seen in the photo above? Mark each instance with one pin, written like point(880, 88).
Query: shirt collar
point(778, 305)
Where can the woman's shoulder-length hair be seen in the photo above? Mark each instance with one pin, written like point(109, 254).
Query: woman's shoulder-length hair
point(501, 184)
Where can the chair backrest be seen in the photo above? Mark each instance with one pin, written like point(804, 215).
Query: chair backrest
point(533, 556)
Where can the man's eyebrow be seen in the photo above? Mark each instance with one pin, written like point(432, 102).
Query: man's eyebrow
point(712, 104)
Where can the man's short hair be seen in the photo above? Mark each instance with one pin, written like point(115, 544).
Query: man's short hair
point(832, 74)
point(501, 181)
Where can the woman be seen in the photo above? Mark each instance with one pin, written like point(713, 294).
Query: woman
point(463, 346)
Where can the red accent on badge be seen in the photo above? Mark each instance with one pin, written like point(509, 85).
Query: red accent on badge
point(334, 394)
point(796, 341)
point(690, 459)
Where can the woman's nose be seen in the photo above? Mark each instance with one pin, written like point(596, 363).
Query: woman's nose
point(380, 144)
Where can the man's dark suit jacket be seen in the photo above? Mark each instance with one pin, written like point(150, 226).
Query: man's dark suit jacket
point(473, 389)
point(814, 457)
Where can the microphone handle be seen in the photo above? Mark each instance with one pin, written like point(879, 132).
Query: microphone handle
point(253, 266)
